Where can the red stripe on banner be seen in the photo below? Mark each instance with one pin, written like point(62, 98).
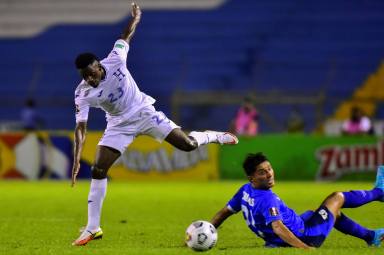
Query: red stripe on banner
point(11, 139)
point(13, 174)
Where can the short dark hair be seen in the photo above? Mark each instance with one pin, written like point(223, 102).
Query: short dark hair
point(252, 161)
point(85, 59)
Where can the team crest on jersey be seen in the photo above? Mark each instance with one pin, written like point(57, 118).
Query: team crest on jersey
point(273, 211)
point(86, 93)
point(119, 46)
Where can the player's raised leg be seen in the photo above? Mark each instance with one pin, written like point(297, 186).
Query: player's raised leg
point(356, 198)
point(210, 136)
point(195, 139)
point(334, 203)
point(105, 157)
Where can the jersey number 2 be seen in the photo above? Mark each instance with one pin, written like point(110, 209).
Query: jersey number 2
point(113, 98)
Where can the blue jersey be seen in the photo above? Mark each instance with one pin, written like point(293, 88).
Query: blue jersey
point(262, 207)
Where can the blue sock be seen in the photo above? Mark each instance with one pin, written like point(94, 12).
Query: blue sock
point(349, 227)
point(356, 198)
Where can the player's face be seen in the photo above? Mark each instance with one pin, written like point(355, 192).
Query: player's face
point(93, 74)
point(263, 177)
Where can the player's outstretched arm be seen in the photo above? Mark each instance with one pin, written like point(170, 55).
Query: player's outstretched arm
point(221, 216)
point(287, 236)
point(130, 29)
point(80, 131)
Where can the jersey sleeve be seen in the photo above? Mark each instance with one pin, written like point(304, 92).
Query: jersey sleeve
point(82, 108)
point(119, 51)
point(270, 209)
point(234, 204)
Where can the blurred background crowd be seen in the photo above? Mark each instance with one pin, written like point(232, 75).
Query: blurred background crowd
point(291, 66)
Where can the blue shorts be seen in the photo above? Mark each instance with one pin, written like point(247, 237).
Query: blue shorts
point(318, 224)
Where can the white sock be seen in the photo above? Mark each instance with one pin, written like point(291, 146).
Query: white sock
point(95, 202)
point(204, 137)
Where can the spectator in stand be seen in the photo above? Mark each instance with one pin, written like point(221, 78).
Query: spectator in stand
point(357, 123)
point(30, 118)
point(295, 121)
point(246, 120)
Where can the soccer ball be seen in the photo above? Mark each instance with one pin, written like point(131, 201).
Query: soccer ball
point(201, 236)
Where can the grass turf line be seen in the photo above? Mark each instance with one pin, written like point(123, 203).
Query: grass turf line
point(151, 217)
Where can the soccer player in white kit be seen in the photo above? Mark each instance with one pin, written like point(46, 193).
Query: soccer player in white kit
point(107, 84)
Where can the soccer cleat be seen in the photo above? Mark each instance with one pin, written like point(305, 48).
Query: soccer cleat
point(224, 137)
point(379, 237)
point(380, 179)
point(87, 236)
point(98, 234)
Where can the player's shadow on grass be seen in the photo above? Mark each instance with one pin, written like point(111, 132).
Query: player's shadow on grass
point(242, 246)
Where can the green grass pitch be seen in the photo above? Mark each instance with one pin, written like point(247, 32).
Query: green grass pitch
point(151, 217)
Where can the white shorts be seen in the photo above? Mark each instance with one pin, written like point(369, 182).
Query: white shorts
point(147, 121)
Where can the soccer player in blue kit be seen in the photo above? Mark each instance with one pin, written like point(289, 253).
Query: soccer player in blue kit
point(269, 218)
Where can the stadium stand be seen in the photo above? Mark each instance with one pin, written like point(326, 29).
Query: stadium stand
point(291, 46)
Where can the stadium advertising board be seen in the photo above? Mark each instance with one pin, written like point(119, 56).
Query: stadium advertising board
point(49, 155)
point(146, 159)
point(294, 157)
point(303, 157)
point(336, 161)
point(35, 155)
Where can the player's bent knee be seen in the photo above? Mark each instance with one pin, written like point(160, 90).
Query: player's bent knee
point(334, 203)
point(98, 173)
point(336, 196)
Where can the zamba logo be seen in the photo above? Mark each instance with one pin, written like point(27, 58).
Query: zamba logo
point(336, 160)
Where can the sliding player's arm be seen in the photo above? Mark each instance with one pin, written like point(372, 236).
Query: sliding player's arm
point(80, 132)
point(130, 29)
point(287, 236)
point(221, 216)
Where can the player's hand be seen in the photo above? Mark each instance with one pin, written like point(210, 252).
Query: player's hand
point(75, 172)
point(136, 12)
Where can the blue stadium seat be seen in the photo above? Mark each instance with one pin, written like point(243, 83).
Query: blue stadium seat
point(264, 45)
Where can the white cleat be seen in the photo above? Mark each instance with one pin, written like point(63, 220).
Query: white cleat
point(88, 236)
point(224, 137)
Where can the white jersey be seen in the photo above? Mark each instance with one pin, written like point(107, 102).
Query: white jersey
point(117, 94)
